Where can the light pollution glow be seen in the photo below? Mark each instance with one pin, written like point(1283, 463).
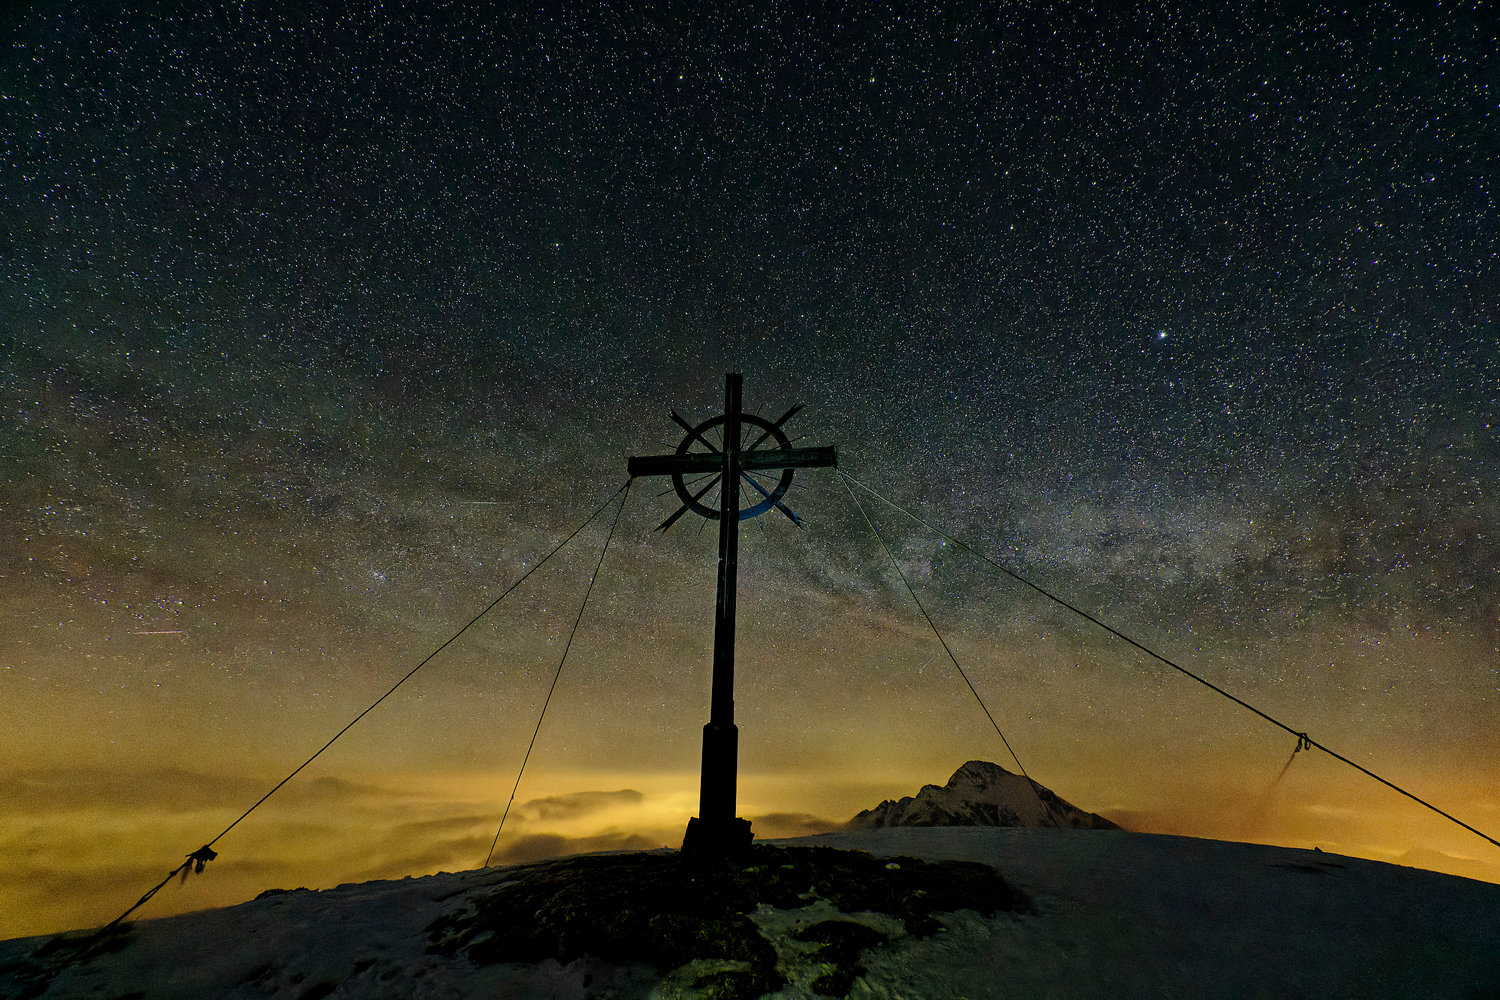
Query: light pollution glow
point(419, 785)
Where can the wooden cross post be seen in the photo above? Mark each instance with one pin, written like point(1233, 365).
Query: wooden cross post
point(716, 831)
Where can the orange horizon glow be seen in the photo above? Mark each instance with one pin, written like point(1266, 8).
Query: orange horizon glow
point(80, 864)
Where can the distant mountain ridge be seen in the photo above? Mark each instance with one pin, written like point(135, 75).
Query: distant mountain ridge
point(981, 794)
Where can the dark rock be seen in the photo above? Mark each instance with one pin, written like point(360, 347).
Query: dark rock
point(666, 910)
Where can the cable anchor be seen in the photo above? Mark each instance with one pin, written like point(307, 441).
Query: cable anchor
point(1303, 743)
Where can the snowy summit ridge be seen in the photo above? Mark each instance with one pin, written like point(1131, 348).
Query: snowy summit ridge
point(1100, 914)
point(981, 794)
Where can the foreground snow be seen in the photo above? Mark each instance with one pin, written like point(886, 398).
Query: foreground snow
point(1114, 914)
point(1139, 915)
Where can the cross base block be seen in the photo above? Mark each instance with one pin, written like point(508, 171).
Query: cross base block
point(716, 839)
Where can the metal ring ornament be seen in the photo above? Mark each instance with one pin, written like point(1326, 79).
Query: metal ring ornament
point(699, 434)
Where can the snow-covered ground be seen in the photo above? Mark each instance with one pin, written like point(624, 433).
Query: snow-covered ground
point(1113, 914)
point(1139, 915)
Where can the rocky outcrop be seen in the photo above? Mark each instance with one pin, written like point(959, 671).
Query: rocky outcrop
point(981, 794)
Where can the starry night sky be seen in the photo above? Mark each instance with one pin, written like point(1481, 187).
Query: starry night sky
point(321, 322)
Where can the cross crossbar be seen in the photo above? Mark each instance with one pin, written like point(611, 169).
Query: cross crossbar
point(749, 461)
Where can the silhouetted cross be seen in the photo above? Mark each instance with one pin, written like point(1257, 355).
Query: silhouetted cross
point(716, 829)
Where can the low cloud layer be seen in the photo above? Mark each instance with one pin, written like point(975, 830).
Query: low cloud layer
point(578, 804)
point(84, 843)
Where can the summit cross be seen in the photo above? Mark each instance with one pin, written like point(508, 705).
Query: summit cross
point(716, 831)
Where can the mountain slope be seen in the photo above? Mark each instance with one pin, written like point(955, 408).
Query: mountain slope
point(1102, 914)
point(981, 794)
